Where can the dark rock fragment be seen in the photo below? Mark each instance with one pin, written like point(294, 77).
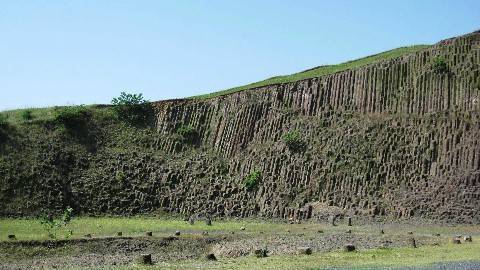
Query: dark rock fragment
point(260, 253)
point(349, 248)
point(211, 257)
point(145, 259)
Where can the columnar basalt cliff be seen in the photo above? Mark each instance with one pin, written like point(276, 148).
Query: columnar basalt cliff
point(395, 138)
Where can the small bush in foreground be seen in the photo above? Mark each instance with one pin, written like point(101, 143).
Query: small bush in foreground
point(53, 225)
point(252, 180)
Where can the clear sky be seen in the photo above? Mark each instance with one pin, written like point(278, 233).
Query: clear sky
point(58, 52)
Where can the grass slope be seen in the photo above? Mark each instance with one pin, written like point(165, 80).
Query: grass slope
point(320, 71)
point(15, 116)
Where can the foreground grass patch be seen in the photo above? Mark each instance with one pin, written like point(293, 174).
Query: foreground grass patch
point(31, 229)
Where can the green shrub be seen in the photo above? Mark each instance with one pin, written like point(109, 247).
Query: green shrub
point(72, 116)
point(53, 225)
point(293, 141)
point(3, 120)
point(188, 133)
point(252, 180)
point(439, 65)
point(27, 115)
point(3, 125)
point(120, 176)
point(132, 108)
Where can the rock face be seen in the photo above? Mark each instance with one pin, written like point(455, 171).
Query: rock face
point(394, 138)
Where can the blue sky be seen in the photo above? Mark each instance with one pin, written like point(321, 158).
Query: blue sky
point(83, 52)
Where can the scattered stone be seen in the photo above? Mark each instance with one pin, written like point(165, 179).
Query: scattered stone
point(437, 234)
point(242, 228)
point(349, 221)
point(413, 243)
point(119, 233)
point(211, 257)
point(456, 240)
point(205, 233)
point(145, 259)
point(382, 232)
point(410, 232)
point(349, 231)
point(88, 235)
point(320, 231)
point(305, 250)
point(468, 238)
point(232, 232)
point(349, 248)
point(12, 237)
point(260, 253)
point(149, 234)
point(177, 233)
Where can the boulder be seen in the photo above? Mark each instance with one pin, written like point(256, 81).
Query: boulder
point(349, 248)
point(261, 253)
point(145, 259)
point(211, 257)
point(305, 250)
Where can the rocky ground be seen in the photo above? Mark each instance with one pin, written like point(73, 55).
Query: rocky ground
point(193, 245)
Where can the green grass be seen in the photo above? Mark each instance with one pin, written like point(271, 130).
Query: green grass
point(320, 71)
point(38, 114)
point(15, 117)
point(31, 229)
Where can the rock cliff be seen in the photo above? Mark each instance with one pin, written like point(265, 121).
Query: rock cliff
point(397, 138)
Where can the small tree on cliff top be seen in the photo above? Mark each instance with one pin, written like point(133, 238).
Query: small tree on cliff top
point(132, 108)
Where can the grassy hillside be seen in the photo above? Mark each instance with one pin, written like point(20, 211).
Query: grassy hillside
point(320, 71)
point(15, 116)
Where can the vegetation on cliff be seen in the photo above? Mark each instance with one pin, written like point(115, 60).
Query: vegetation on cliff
point(320, 71)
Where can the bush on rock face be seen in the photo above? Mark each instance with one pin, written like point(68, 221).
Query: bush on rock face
point(293, 141)
point(439, 65)
point(188, 134)
point(252, 180)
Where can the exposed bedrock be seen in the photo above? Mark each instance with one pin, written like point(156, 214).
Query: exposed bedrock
point(394, 138)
